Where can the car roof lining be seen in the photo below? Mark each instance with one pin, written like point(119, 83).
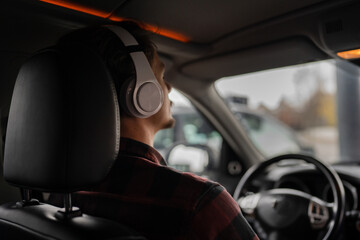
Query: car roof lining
point(300, 33)
point(43, 26)
point(175, 15)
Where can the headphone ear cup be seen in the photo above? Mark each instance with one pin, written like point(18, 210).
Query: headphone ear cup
point(126, 96)
point(149, 98)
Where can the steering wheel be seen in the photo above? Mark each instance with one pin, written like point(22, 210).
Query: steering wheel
point(283, 210)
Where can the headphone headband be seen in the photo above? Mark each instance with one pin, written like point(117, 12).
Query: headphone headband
point(126, 38)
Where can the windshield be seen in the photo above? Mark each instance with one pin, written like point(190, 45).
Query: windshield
point(268, 135)
point(289, 110)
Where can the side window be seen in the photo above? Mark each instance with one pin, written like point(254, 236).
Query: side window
point(193, 145)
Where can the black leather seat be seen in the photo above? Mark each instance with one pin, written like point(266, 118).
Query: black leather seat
point(63, 136)
point(7, 192)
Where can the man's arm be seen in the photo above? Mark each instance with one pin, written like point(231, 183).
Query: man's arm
point(218, 216)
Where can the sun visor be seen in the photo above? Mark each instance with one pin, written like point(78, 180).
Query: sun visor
point(277, 54)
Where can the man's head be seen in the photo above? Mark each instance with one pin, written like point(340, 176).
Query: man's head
point(116, 56)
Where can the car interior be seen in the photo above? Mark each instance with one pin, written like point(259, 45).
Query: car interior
point(59, 118)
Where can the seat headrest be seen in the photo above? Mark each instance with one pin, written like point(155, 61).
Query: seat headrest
point(64, 123)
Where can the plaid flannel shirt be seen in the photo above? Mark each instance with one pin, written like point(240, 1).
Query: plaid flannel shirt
point(161, 203)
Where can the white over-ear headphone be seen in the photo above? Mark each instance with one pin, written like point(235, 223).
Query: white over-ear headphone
point(141, 97)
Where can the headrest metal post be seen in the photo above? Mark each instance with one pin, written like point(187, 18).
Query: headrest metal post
point(67, 203)
point(68, 211)
point(26, 195)
point(27, 200)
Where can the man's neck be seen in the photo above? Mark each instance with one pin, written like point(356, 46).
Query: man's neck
point(137, 129)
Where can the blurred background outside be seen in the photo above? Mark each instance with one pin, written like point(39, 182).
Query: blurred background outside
point(303, 97)
point(285, 110)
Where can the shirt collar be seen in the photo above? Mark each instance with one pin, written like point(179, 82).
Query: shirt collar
point(139, 149)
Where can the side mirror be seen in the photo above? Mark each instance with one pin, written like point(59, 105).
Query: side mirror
point(186, 157)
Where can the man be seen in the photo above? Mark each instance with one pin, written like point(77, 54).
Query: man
point(140, 191)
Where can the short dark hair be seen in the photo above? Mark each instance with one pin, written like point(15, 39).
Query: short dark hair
point(111, 49)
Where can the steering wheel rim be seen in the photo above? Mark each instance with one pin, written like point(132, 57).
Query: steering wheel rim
point(332, 177)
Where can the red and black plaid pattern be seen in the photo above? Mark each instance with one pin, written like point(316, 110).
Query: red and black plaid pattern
point(161, 203)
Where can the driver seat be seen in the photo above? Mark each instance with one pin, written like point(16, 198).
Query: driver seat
point(63, 136)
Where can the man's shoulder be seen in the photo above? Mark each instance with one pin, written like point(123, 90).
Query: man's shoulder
point(187, 186)
point(198, 183)
point(163, 183)
point(165, 174)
